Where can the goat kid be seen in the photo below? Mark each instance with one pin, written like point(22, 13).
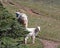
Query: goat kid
point(32, 33)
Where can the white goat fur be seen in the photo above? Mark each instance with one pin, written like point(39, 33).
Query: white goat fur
point(23, 17)
point(32, 33)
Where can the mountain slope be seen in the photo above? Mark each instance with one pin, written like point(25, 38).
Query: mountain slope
point(11, 32)
point(49, 18)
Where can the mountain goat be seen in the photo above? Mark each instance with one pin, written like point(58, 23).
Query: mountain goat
point(32, 33)
point(22, 19)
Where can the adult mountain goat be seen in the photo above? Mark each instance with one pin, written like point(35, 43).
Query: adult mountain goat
point(22, 19)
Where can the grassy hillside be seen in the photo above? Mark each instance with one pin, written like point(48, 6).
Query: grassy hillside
point(49, 20)
point(11, 32)
point(44, 7)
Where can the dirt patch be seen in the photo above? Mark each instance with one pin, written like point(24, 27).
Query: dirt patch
point(49, 44)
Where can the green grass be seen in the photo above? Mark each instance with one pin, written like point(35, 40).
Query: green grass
point(50, 22)
point(58, 46)
point(15, 43)
point(49, 10)
point(49, 27)
point(7, 42)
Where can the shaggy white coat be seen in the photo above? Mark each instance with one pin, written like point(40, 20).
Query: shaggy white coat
point(23, 17)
